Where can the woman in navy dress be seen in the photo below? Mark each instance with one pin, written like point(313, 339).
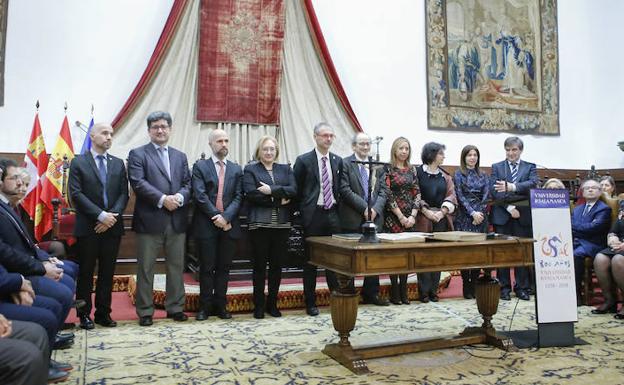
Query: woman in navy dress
point(471, 189)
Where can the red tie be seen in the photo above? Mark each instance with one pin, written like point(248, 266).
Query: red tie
point(220, 188)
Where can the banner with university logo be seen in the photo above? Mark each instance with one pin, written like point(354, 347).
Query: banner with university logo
point(554, 259)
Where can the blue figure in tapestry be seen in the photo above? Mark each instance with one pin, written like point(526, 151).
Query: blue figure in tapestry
point(517, 62)
point(464, 68)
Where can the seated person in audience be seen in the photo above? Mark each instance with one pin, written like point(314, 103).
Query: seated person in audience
point(553, 184)
point(609, 268)
point(607, 184)
point(24, 354)
point(590, 224)
point(18, 302)
point(19, 254)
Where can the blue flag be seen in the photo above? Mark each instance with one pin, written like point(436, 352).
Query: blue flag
point(86, 145)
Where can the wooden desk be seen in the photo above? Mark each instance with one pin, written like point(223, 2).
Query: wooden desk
point(349, 259)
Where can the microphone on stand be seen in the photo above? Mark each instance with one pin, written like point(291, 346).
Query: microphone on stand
point(84, 128)
point(377, 140)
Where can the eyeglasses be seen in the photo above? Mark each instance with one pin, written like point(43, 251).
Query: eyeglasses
point(157, 127)
point(268, 149)
point(363, 144)
point(13, 177)
point(326, 136)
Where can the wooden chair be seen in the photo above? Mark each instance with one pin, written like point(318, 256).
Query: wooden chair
point(588, 274)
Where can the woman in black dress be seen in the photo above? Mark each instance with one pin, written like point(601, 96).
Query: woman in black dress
point(437, 191)
point(471, 188)
point(609, 268)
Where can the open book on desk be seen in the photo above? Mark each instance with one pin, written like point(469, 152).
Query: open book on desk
point(348, 236)
point(458, 236)
point(403, 237)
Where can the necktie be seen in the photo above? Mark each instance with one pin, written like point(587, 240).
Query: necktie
point(364, 181)
point(219, 202)
point(102, 171)
point(164, 159)
point(586, 210)
point(514, 172)
point(325, 183)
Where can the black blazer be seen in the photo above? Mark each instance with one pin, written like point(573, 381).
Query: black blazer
point(205, 185)
point(18, 252)
point(150, 182)
point(309, 182)
point(526, 180)
point(352, 203)
point(85, 190)
point(260, 206)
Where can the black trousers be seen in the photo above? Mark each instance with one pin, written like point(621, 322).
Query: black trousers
point(324, 222)
point(370, 286)
point(268, 245)
point(103, 249)
point(215, 261)
point(429, 282)
point(523, 283)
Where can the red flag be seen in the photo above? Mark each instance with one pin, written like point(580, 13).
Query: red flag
point(36, 163)
point(52, 186)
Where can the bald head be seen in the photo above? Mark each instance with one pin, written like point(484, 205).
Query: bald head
point(101, 137)
point(219, 141)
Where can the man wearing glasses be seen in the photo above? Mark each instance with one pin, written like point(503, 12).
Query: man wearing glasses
point(353, 210)
point(317, 174)
point(160, 177)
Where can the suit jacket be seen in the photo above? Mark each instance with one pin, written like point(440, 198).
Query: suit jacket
point(526, 180)
point(9, 283)
point(150, 182)
point(205, 187)
point(18, 252)
point(85, 189)
point(590, 230)
point(283, 186)
point(309, 182)
point(352, 203)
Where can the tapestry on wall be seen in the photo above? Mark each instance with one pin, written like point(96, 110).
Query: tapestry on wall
point(492, 65)
point(4, 12)
point(240, 61)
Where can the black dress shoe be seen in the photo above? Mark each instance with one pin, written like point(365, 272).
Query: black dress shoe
point(146, 320)
point(178, 317)
point(312, 311)
point(395, 301)
point(85, 322)
point(258, 312)
point(424, 299)
point(605, 309)
point(505, 296)
point(55, 375)
point(434, 298)
point(105, 321)
point(618, 316)
point(523, 295)
point(61, 343)
point(61, 366)
point(201, 315)
point(273, 311)
point(223, 314)
point(65, 334)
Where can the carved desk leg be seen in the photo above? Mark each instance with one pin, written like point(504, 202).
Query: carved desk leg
point(344, 304)
point(487, 292)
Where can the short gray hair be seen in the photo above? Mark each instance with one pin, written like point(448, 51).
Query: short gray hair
point(355, 137)
point(514, 140)
point(318, 126)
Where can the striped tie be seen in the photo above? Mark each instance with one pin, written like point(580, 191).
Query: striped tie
point(326, 184)
point(514, 172)
point(364, 181)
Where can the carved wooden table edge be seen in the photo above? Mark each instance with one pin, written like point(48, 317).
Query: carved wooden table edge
point(344, 300)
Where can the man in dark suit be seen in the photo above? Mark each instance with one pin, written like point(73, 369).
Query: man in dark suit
point(353, 208)
point(160, 178)
point(513, 180)
point(218, 192)
point(98, 188)
point(590, 224)
point(318, 175)
point(19, 254)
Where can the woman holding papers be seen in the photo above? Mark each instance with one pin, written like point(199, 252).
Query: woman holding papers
point(438, 194)
point(471, 188)
point(402, 205)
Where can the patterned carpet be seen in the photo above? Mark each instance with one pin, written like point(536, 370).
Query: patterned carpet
point(287, 350)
